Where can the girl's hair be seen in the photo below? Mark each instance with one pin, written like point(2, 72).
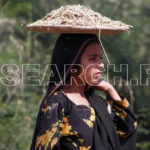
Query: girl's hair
point(67, 47)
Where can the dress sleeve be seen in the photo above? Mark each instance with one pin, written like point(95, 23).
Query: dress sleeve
point(48, 131)
point(123, 117)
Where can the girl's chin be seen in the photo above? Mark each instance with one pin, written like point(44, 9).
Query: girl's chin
point(93, 82)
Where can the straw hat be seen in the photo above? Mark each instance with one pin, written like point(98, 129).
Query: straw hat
point(77, 19)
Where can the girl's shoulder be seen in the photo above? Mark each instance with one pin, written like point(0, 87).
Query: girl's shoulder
point(58, 98)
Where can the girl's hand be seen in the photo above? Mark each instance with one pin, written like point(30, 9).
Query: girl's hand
point(108, 88)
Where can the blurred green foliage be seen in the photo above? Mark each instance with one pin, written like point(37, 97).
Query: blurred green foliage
point(20, 102)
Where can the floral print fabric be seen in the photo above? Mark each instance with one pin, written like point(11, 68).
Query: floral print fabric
point(75, 131)
point(123, 117)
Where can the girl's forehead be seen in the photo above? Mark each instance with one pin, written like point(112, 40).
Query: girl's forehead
point(93, 48)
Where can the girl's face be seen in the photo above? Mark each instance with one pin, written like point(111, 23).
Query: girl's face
point(91, 64)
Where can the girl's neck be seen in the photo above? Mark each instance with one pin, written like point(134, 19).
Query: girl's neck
point(74, 88)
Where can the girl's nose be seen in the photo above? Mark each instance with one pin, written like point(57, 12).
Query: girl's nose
point(100, 65)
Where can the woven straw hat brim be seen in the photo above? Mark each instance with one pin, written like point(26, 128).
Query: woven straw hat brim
point(77, 19)
point(72, 29)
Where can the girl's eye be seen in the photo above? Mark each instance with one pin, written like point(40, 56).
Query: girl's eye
point(101, 57)
point(93, 58)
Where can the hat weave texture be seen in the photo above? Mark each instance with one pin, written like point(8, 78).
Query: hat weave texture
point(77, 19)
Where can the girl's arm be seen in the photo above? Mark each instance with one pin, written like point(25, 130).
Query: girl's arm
point(124, 119)
point(109, 89)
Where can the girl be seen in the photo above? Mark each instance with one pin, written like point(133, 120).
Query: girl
point(72, 116)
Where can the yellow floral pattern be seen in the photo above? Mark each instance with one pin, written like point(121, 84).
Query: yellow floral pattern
point(65, 127)
point(56, 125)
point(122, 110)
point(85, 148)
point(76, 128)
point(54, 141)
point(45, 108)
point(44, 139)
point(91, 120)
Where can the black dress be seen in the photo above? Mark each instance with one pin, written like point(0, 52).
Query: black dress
point(64, 125)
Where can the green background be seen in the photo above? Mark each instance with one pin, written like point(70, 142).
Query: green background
point(19, 102)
